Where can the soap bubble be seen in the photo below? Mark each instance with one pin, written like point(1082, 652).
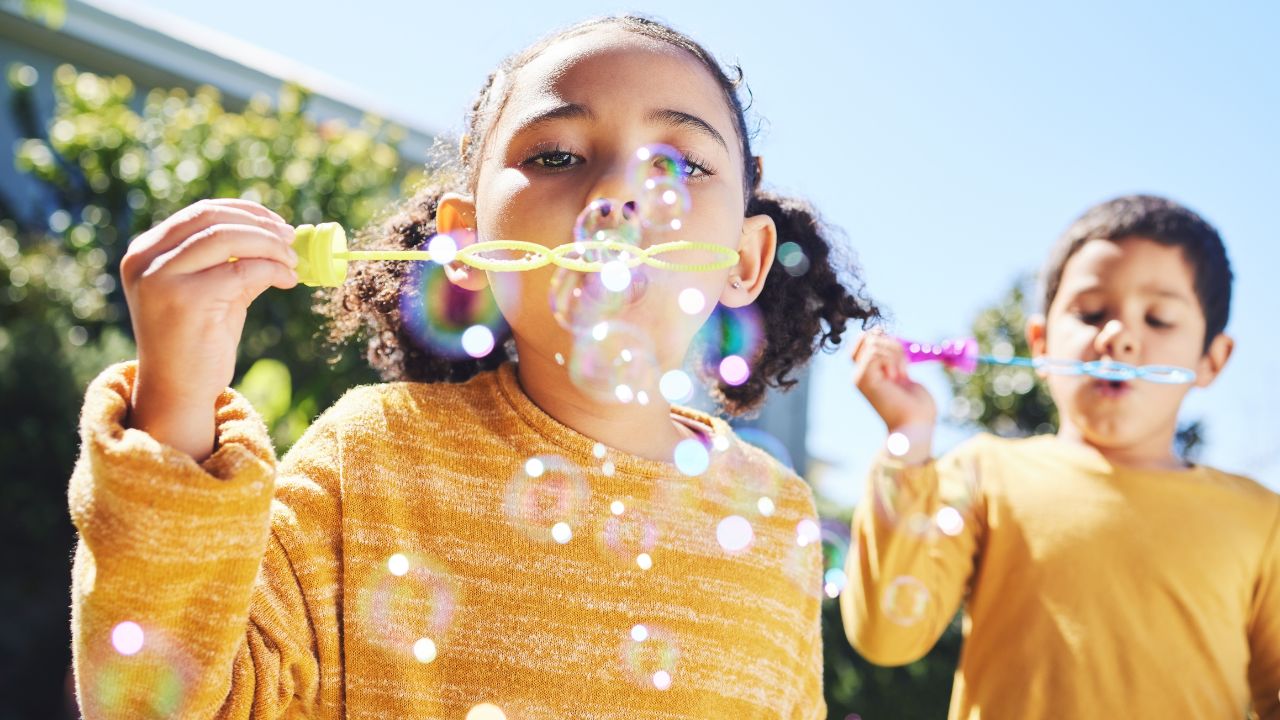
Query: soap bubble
point(399, 603)
point(546, 498)
point(658, 175)
point(448, 320)
point(613, 362)
point(650, 656)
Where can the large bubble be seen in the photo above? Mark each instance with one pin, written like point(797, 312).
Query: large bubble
point(609, 279)
point(547, 498)
point(658, 175)
point(405, 605)
point(629, 535)
point(138, 671)
point(446, 319)
point(614, 362)
point(729, 340)
point(650, 656)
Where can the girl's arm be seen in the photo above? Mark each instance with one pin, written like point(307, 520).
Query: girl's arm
point(194, 592)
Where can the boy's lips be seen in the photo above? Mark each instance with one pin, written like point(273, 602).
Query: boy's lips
point(1111, 388)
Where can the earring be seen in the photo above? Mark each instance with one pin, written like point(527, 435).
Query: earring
point(737, 285)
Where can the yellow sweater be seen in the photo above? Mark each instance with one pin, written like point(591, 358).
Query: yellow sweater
point(1090, 591)
point(405, 560)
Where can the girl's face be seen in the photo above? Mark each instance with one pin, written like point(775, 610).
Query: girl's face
point(575, 116)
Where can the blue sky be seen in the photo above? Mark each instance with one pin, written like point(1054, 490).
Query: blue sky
point(952, 142)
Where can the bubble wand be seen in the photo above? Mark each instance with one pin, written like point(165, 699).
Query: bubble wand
point(963, 355)
point(606, 234)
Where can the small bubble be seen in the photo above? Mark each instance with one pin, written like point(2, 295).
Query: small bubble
point(766, 506)
point(949, 520)
point(676, 386)
point(734, 533)
point(624, 394)
point(662, 680)
point(127, 638)
point(477, 341)
point(691, 301)
point(534, 467)
point(904, 600)
point(691, 458)
point(639, 633)
point(598, 450)
point(424, 650)
point(398, 564)
point(644, 561)
point(898, 444)
point(561, 532)
point(486, 711)
point(617, 508)
point(807, 532)
point(559, 359)
point(615, 276)
point(734, 370)
point(442, 249)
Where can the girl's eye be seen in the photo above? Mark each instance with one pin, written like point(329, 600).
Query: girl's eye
point(554, 160)
point(693, 168)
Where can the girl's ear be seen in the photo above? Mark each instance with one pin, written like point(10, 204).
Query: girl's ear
point(755, 257)
point(456, 217)
point(1036, 334)
point(1214, 359)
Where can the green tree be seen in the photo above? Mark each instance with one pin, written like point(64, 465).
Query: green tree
point(110, 165)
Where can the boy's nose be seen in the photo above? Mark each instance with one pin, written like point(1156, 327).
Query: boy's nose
point(1115, 341)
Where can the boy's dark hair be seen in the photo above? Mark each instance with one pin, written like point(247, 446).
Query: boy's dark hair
point(804, 305)
point(1167, 223)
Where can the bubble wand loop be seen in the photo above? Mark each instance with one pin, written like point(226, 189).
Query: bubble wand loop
point(963, 355)
point(323, 255)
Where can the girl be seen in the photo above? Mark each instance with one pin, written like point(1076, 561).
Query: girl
point(398, 561)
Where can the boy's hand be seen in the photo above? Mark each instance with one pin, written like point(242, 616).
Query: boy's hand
point(188, 304)
point(880, 374)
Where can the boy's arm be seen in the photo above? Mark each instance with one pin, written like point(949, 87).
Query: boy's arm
point(188, 592)
point(1264, 630)
point(915, 535)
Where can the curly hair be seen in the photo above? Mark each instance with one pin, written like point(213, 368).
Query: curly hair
point(809, 297)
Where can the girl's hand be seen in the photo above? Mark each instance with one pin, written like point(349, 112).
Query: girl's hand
point(188, 304)
point(880, 374)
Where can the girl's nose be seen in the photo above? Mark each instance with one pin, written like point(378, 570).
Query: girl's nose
point(1115, 341)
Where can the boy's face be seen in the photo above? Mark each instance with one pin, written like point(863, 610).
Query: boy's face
point(1131, 301)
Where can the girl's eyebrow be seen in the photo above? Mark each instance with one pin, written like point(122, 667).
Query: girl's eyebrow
point(574, 111)
point(679, 118)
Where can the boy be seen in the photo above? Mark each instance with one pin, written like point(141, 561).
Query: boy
point(1102, 575)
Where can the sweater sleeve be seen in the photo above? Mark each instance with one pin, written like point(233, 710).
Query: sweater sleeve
point(1264, 630)
point(915, 536)
point(194, 592)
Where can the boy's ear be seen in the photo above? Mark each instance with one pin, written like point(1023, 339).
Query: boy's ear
point(755, 257)
point(456, 217)
point(1036, 334)
point(1214, 359)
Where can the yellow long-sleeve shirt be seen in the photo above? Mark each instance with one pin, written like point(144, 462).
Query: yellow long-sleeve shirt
point(1090, 591)
point(404, 561)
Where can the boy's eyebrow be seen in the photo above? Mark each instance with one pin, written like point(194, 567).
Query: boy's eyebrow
point(1155, 290)
point(574, 111)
